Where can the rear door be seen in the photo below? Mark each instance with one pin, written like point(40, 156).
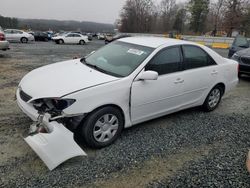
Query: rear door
point(8, 34)
point(69, 38)
point(17, 35)
point(77, 38)
point(200, 74)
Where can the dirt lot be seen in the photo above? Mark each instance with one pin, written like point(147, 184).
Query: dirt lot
point(187, 149)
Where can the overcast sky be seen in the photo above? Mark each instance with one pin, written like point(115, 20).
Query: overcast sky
point(104, 11)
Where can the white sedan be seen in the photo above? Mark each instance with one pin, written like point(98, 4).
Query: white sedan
point(127, 82)
point(14, 35)
point(71, 38)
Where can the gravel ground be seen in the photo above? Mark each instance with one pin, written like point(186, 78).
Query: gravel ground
point(186, 149)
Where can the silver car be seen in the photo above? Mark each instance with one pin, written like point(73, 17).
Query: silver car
point(14, 35)
point(4, 44)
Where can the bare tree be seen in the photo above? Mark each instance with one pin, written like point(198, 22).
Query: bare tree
point(233, 15)
point(136, 16)
point(168, 11)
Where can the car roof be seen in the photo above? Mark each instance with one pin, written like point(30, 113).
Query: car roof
point(154, 42)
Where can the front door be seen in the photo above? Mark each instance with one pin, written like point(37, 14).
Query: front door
point(154, 98)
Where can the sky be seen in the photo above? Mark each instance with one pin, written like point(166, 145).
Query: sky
point(103, 11)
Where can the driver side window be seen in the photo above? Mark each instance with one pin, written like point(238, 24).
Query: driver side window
point(166, 61)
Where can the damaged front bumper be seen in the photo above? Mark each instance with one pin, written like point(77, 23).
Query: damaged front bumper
point(51, 140)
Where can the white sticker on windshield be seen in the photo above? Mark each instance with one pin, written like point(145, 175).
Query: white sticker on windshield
point(135, 51)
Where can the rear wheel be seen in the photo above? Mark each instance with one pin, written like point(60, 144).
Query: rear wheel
point(82, 42)
point(24, 40)
point(213, 99)
point(102, 127)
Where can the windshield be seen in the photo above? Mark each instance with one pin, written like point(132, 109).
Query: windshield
point(119, 58)
point(241, 41)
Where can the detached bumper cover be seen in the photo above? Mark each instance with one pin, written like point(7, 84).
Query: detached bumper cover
point(54, 147)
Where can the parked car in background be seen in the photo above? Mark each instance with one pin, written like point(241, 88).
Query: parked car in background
point(90, 37)
point(243, 58)
point(239, 43)
point(41, 36)
point(100, 36)
point(129, 81)
point(109, 39)
point(15, 35)
point(4, 44)
point(71, 38)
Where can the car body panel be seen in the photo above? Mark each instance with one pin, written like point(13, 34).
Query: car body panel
point(138, 100)
point(4, 44)
point(61, 79)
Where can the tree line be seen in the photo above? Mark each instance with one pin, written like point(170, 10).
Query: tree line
point(7, 22)
point(192, 17)
point(55, 25)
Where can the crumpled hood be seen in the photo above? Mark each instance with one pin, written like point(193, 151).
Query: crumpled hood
point(59, 79)
point(245, 52)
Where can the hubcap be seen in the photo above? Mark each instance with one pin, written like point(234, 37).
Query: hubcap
point(105, 128)
point(214, 98)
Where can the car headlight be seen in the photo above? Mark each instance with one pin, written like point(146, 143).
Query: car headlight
point(52, 104)
point(236, 57)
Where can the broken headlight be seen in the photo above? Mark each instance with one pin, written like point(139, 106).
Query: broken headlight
point(52, 104)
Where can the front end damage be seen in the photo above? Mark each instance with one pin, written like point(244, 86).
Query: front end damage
point(48, 136)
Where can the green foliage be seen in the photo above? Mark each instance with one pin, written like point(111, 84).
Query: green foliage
point(199, 10)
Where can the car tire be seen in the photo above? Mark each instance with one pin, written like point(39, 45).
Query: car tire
point(24, 40)
point(82, 42)
point(213, 99)
point(60, 41)
point(102, 127)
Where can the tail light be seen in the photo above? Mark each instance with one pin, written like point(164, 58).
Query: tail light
point(2, 37)
point(238, 67)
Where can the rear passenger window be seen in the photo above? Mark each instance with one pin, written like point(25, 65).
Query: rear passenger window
point(194, 57)
point(166, 61)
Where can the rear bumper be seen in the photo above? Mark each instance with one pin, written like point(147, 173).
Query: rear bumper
point(4, 45)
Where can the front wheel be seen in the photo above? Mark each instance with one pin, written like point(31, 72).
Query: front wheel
point(60, 41)
point(102, 127)
point(213, 99)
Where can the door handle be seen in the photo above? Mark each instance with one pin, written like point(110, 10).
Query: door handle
point(179, 81)
point(214, 72)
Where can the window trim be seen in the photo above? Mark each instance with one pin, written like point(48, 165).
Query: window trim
point(166, 48)
point(183, 57)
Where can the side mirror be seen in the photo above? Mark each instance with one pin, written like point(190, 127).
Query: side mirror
point(148, 75)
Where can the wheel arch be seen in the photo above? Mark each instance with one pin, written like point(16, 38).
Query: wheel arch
point(107, 105)
point(222, 86)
